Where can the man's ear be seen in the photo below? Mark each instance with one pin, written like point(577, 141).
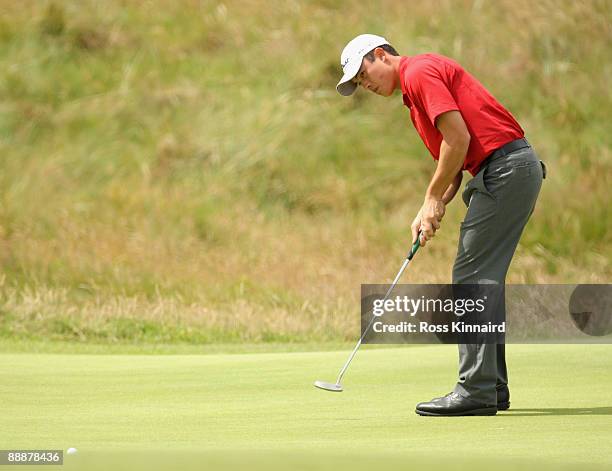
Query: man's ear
point(379, 52)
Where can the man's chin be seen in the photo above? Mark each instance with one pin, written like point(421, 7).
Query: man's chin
point(381, 92)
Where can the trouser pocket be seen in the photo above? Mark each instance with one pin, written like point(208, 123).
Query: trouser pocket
point(476, 184)
point(543, 169)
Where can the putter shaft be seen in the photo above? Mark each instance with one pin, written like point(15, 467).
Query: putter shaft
point(413, 250)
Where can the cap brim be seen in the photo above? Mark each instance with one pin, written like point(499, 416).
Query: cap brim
point(346, 86)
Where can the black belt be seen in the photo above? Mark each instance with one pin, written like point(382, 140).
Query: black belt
point(509, 148)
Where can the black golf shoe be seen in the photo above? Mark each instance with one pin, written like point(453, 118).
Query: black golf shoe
point(503, 398)
point(454, 404)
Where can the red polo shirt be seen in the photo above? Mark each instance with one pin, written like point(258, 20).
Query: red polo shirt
point(433, 84)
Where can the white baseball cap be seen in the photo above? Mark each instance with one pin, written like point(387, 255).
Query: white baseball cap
point(352, 57)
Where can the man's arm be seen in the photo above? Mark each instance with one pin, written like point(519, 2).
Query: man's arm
point(451, 191)
point(455, 143)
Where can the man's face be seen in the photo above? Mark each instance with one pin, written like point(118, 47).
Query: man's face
point(378, 76)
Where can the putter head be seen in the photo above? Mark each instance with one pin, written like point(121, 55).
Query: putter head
point(328, 386)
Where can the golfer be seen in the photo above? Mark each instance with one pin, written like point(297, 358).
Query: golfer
point(465, 129)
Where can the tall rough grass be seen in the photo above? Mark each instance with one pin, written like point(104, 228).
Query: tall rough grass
point(185, 171)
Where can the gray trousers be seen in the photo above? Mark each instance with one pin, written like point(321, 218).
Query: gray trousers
point(500, 200)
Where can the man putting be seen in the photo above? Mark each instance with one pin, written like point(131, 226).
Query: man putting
point(465, 128)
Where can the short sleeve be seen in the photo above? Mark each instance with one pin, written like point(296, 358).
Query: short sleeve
point(430, 92)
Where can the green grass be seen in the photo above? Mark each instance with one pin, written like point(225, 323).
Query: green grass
point(261, 410)
point(166, 169)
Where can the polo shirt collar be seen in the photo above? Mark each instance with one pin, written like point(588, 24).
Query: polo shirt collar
point(402, 71)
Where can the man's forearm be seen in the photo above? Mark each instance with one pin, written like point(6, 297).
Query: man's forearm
point(451, 191)
point(455, 143)
point(449, 165)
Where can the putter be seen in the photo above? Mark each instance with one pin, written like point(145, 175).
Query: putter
point(337, 387)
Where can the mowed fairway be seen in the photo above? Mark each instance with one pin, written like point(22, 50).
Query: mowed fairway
point(260, 410)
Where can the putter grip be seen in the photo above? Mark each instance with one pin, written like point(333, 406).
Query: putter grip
point(415, 247)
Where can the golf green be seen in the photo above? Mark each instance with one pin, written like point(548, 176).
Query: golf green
point(260, 410)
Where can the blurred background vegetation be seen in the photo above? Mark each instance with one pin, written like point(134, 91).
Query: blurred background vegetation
point(184, 171)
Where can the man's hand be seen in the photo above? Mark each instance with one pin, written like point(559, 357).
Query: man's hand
point(428, 220)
